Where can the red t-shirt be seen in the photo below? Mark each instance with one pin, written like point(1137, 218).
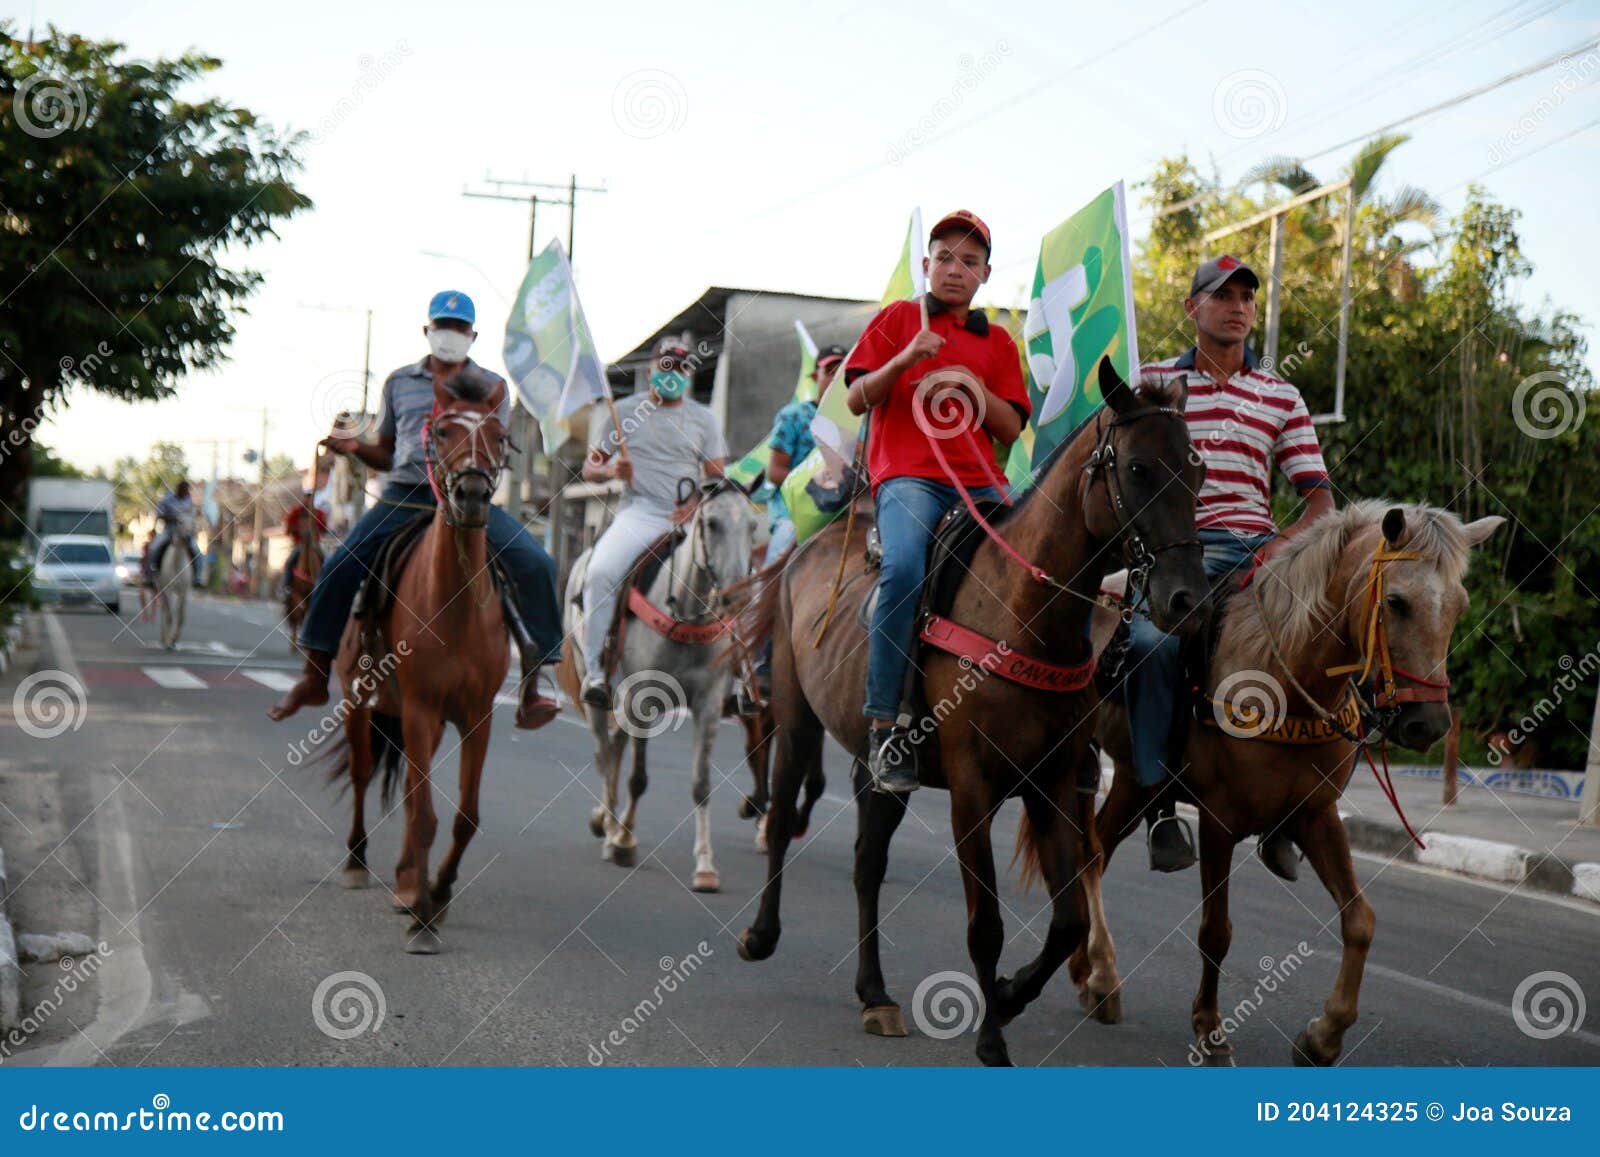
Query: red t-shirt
point(898, 438)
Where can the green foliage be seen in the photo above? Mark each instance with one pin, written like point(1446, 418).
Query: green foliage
point(1439, 346)
point(122, 198)
point(141, 483)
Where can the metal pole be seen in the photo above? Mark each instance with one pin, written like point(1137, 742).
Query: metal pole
point(366, 364)
point(533, 216)
point(261, 495)
point(1344, 303)
point(1589, 802)
point(572, 212)
point(1270, 350)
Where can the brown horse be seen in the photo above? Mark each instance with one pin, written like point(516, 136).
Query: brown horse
point(1126, 479)
point(443, 652)
point(308, 564)
point(1369, 594)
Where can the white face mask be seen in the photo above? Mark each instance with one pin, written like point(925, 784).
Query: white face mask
point(448, 345)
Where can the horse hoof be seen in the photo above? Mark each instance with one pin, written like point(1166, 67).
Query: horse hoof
point(883, 1020)
point(422, 942)
point(1104, 1007)
point(1218, 1057)
point(761, 841)
point(707, 882)
point(747, 810)
point(354, 878)
point(1307, 1055)
point(995, 1056)
point(752, 946)
point(597, 824)
point(621, 855)
point(799, 833)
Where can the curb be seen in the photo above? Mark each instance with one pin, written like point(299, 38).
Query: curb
point(10, 968)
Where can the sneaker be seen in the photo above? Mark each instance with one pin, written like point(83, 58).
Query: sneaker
point(1171, 845)
point(891, 761)
point(1278, 853)
point(597, 692)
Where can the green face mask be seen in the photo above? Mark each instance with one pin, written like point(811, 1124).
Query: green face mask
point(670, 384)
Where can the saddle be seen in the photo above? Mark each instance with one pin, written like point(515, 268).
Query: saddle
point(640, 578)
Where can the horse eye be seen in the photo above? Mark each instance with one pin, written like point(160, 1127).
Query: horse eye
point(1398, 604)
point(1138, 471)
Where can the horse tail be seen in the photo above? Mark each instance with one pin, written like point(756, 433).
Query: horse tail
point(567, 671)
point(1028, 852)
point(758, 617)
point(388, 753)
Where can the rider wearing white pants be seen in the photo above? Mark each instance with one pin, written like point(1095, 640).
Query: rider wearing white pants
point(666, 435)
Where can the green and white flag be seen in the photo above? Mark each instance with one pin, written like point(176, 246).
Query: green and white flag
point(835, 429)
point(754, 464)
point(1081, 311)
point(549, 351)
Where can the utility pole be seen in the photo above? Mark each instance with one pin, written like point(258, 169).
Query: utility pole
point(572, 189)
point(261, 496)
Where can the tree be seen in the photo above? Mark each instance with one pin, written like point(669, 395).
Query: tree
point(121, 198)
point(142, 483)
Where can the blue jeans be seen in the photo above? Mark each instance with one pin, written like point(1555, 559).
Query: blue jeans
point(909, 510)
point(1154, 656)
point(532, 573)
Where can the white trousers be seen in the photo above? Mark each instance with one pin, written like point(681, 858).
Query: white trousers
point(634, 528)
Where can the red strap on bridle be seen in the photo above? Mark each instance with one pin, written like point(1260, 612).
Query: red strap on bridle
point(1037, 572)
point(675, 630)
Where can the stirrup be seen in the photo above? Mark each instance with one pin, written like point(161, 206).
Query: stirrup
point(1184, 856)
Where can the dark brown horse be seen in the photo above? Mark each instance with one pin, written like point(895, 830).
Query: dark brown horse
point(443, 653)
point(1373, 592)
point(1126, 478)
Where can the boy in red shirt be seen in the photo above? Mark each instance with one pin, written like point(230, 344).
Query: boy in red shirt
point(957, 382)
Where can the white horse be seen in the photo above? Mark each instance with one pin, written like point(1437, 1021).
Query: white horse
point(656, 677)
point(173, 579)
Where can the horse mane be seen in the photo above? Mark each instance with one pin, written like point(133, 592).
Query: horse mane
point(1293, 585)
point(473, 384)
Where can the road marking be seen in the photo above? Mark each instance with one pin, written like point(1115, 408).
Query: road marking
point(174, 678)
point(277, 680)
point(1496, 1008)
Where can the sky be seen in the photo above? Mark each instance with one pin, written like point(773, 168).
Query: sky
point(784, 147)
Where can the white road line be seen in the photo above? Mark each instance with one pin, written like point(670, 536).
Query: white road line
point(174, 678)
point(277, 680)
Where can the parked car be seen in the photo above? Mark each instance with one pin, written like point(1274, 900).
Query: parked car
point(128, 568)
point(76, 569)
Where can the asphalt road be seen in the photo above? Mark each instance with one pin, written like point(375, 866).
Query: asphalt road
point(177, 829)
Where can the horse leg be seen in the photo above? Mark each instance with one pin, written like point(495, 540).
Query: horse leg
point(814, 784)
point(618, 847)
point(706, 719)
point(971, 811)
point(1052, 823)
point(474, 749)
point(1093, 964)
point(358, 730)
point(1216, 934)
point(878, 814)
point(1322, 837)
point(757, 752)
point(638, 782)
point(421, 735)
point(798, 747)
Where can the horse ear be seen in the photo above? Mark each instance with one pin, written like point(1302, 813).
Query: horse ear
point(1477, 532)
point(1116, 392)
point(1394, 525)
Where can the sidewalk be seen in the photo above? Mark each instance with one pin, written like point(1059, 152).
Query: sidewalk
point(1520, 839)
point(18, 655)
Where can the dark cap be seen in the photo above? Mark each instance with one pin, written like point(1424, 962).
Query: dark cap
point(830, 353)
point(1214, 274)
point(966, 221)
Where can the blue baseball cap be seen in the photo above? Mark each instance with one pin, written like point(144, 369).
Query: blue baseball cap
point(454, 304)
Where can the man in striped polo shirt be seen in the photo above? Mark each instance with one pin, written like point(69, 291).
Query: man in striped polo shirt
point(1244, 421)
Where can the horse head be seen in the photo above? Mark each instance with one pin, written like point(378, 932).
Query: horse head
point(467, 445)
point(1400, 607)
point(721, 533)
point(1149, 475)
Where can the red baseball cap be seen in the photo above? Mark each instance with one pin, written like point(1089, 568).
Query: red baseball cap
point(965, 220)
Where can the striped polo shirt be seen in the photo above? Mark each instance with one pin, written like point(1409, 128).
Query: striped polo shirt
point(1242, 430)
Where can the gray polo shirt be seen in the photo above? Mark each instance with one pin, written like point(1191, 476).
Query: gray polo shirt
point(407, 402)
point(666, 443)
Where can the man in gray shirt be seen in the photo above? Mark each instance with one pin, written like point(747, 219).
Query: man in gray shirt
point(666, 435)
point(407, 403)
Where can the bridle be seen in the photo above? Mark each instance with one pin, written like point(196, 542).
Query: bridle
point(443, 484)
point(700, 552)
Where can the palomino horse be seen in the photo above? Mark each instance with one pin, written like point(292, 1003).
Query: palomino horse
point(308, 564)
point(1372, 592)
point(1125, 479)
point(694, 592)
point(173, 580)
point(441, 653)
